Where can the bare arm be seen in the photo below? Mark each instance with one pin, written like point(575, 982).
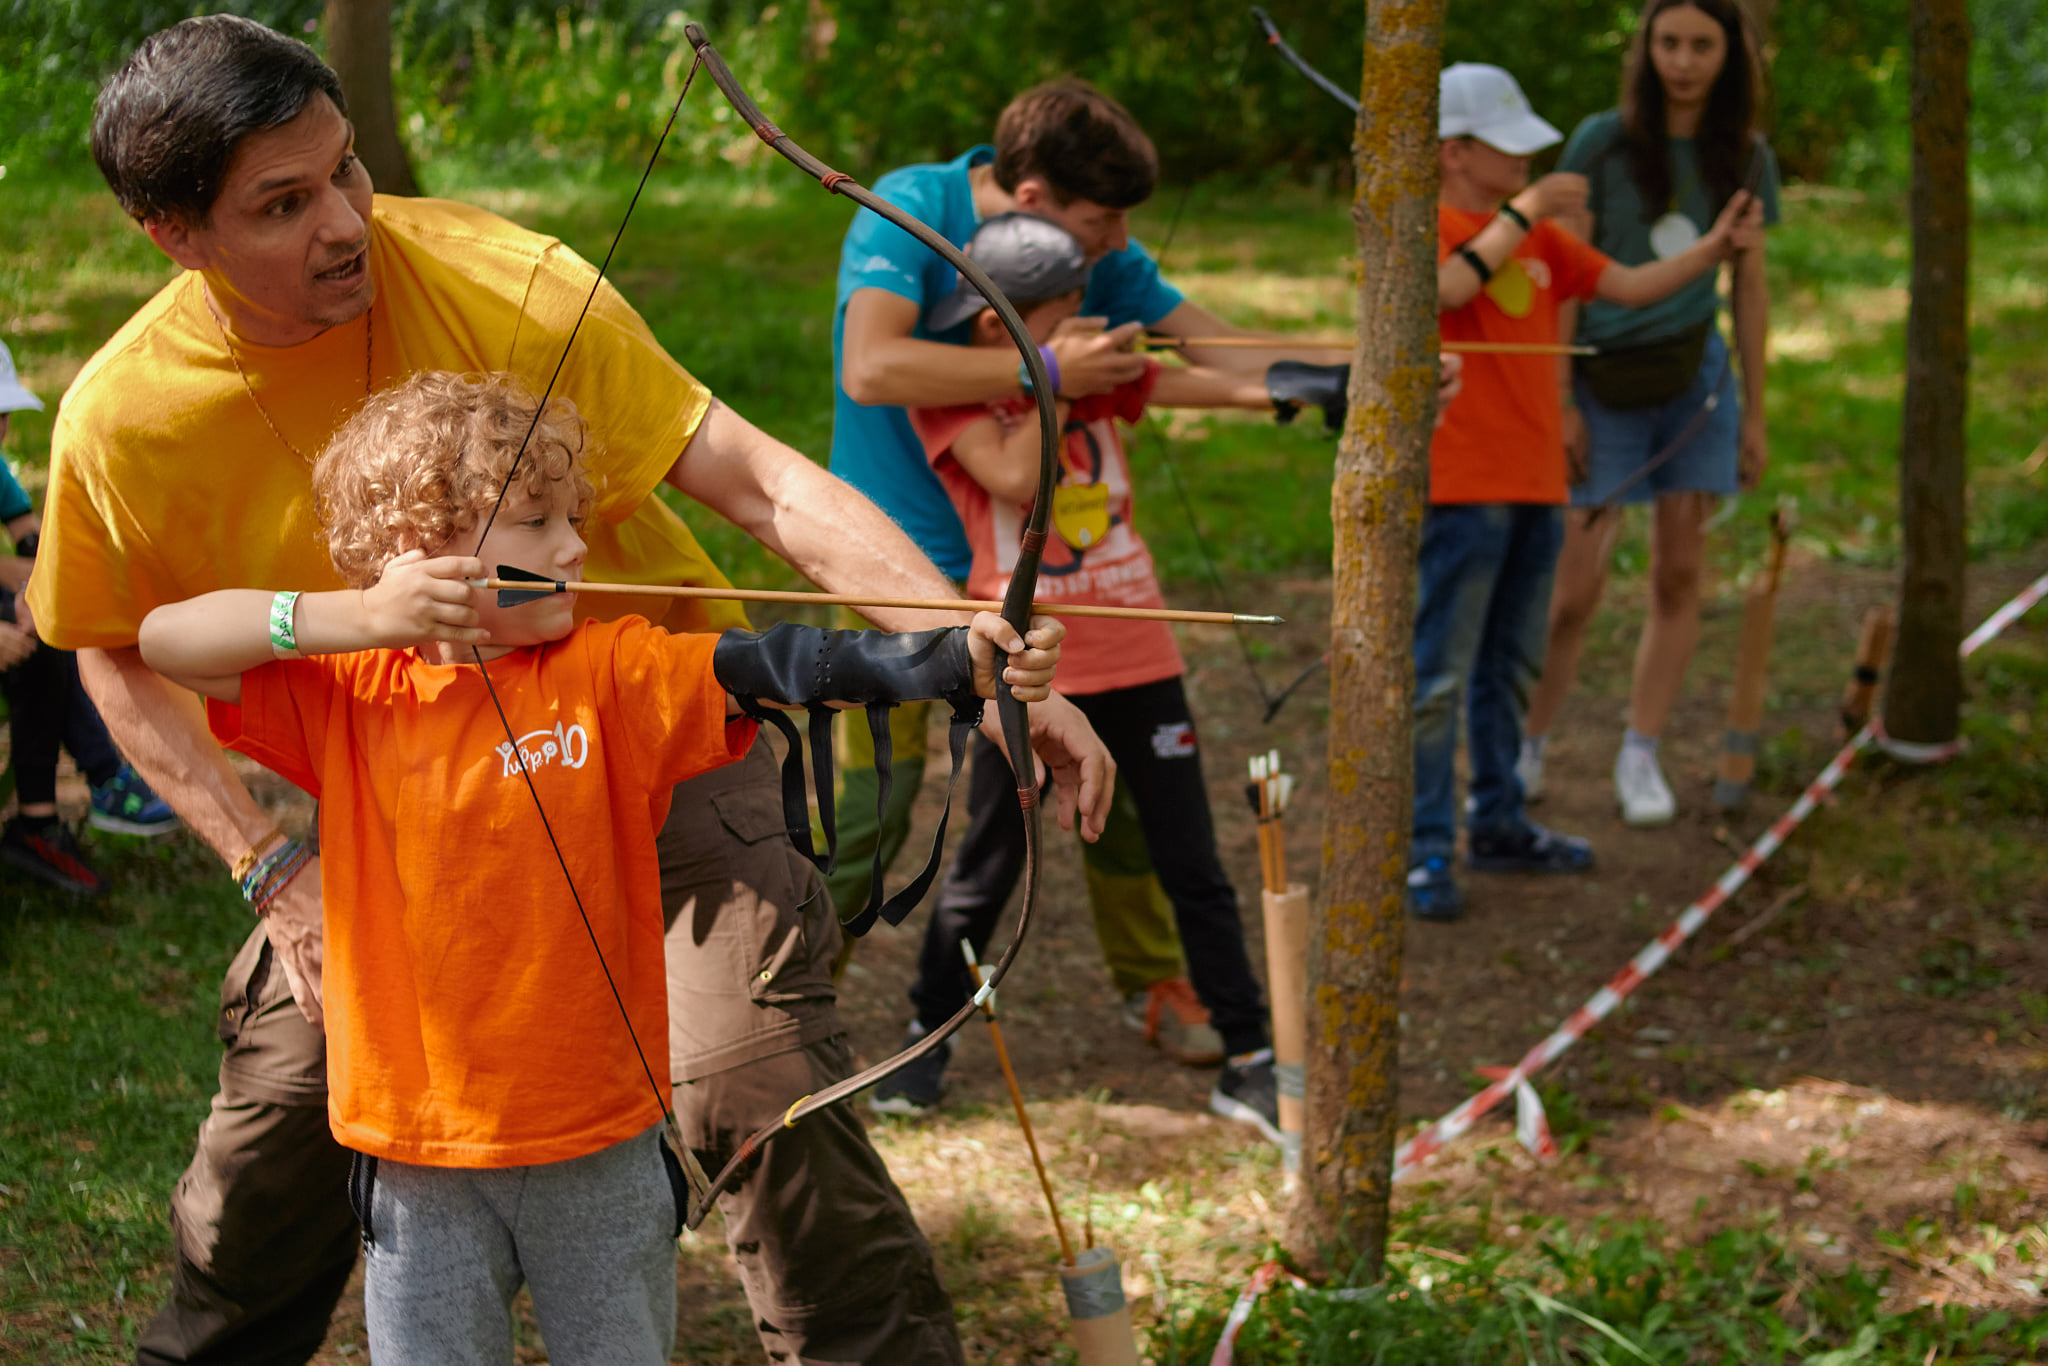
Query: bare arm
point(840, 541)
point(883, 363)
point(1192, 320)
point(827, 530)
point(1199, 386)
point(207, 643)
point(1635, 286)
point(1004, 463)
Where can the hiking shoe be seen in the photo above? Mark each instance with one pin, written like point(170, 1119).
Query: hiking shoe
point(1645, 797)
point(1175, 1022)
point(50, 851)
point(916, 1088)
point(1529, 770)
point(126, 805)
point(1526, 848)
point(1432, 892)
point(1248, 1092)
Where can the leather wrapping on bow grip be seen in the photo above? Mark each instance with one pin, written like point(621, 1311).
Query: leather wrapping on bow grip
point(805, 666)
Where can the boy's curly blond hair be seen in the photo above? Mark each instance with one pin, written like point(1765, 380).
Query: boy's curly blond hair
point(422, 462)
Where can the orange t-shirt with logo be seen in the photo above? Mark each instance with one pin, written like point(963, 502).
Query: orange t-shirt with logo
point(468, 1020)
point(1094, 554)
point(1502, 440)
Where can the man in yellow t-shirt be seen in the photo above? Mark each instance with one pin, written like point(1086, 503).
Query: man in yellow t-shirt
point(180, 464)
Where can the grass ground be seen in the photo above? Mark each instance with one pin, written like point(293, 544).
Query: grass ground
point(1819, 1142)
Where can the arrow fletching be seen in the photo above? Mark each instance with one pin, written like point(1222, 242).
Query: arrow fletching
point(519, 597)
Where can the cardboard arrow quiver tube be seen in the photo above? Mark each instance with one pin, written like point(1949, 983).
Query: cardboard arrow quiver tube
point(1746, 701)
point(1287, 981)
point(1102, 1316)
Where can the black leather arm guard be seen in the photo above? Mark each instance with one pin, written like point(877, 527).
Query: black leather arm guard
point(1294, 385)
point(810, 666)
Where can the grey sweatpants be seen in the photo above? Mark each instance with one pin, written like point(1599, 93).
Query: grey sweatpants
point(447, 1248)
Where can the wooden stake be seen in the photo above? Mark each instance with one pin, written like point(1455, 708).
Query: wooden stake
point(1873, 652)
point(1752, 665)
point(1050, 609)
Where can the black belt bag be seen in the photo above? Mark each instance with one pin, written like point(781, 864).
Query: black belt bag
point(1646, 376)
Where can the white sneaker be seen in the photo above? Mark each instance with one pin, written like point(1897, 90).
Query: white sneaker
point(1645, 797)
point(1529, 768)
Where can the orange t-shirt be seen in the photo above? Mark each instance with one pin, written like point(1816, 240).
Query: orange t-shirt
point(468, 1021)
point(1503, 437)
point(1094, 554)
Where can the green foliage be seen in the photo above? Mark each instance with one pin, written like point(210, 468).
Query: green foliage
point(876, 83)
point(1622, 1293)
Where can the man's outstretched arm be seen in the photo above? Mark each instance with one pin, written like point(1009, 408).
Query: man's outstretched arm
point(835, 537)
point(161, 729)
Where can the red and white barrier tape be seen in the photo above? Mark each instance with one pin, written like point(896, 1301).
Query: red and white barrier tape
point(1433, 1137)
point(1531, 1126)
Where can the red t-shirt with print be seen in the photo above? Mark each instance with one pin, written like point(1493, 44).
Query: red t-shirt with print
point(1502, 440)
point(1094, 554)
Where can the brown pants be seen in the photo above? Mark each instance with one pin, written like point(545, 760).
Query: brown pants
point(834, 1266)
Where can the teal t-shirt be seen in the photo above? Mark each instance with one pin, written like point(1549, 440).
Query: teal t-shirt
point(13, 498)
point(1622, 230)
point(874, 448)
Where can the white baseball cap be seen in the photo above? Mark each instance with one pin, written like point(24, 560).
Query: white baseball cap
point(12, 396)
point(1480, 101)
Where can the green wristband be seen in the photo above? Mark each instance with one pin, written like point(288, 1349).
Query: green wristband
point(284, 639)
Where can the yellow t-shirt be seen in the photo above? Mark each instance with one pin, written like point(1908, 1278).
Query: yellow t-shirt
point(168, 481)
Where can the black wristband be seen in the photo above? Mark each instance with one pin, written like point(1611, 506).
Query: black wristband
point(25, 548)
point(1477, 262)
point(1515, 215)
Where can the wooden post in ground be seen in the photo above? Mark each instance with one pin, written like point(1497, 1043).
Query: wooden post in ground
point(1923, 693)
point(1338, 1216)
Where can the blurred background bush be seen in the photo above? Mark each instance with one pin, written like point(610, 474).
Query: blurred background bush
point(876, 83)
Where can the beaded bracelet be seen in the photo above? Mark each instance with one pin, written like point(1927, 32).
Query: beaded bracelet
point(246, 864)
point(273, 873)
point(283, 878)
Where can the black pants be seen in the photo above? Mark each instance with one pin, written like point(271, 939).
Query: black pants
point(1152, 738)
point(47, 707)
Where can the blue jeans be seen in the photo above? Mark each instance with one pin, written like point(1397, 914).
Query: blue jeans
point(1483, 618)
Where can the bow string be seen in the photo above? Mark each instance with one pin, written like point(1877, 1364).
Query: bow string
point(1017, 601)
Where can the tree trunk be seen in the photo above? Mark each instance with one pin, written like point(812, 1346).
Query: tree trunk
point(359, 50)
point(1923, 698)
point(1338, 1220)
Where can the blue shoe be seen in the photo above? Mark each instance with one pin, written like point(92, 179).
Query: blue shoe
point(126, 805)
point(1432, 893)
point(1526, 848)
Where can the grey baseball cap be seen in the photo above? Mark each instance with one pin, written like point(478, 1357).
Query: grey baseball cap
point(1028, 258)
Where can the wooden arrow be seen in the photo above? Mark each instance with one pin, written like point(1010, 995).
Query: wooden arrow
point(1159, 342)
point(516, 586)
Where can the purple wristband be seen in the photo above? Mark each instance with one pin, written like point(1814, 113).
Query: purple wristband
point(1052, 367)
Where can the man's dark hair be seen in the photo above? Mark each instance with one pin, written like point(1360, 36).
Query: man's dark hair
point(1082, 143)
point(168, 122)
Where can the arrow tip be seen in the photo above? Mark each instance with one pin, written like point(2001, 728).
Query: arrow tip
point(1245, 619)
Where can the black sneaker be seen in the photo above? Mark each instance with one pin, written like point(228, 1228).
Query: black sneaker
point(50, 851)
point(1527, 848)
point(1248, 1092)
point(916, 1088)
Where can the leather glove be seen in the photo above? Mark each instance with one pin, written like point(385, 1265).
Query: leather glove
point(806, 666)
point(1294, 385)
